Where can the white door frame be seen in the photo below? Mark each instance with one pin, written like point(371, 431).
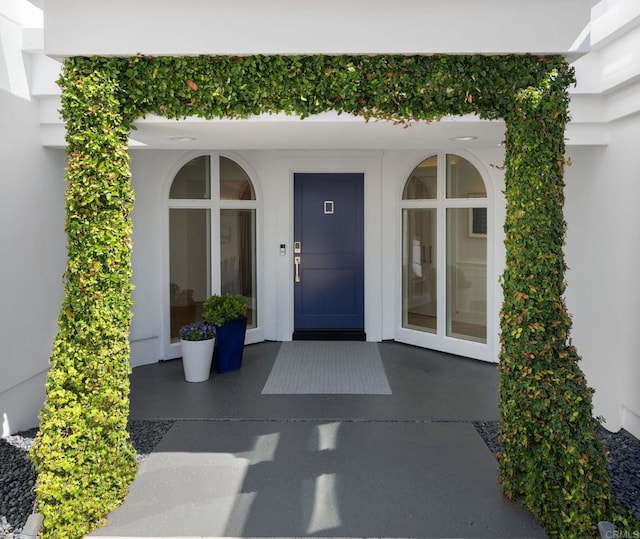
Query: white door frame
point(287, 164)
point(440, 341)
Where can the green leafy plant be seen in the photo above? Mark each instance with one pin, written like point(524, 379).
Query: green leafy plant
point(218, 310)
point(551, 461)
point(82, 453)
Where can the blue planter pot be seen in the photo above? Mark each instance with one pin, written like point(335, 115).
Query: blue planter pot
point(227, 355)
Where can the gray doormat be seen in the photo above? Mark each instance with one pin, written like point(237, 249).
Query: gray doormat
point(327, 367)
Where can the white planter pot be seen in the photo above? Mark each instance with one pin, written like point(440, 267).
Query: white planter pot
point(196, 359)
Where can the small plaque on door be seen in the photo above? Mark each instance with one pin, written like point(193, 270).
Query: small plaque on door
point(328, 207)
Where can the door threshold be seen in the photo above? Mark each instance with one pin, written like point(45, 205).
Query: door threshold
point(329, 335)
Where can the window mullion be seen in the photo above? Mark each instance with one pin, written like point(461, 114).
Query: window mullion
point(441, 246)
point(238, 204)
point(215, 224)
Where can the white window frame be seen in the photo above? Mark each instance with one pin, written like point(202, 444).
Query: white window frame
point(439, 340)
point(214, 204)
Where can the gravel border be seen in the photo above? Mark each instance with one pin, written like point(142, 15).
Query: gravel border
point(623, 460)
point(17, 476)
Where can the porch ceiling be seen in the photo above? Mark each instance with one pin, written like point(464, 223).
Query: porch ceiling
point(328, 131)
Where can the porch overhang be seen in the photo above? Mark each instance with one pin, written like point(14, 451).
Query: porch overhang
point(244, 27)
point(326, 131)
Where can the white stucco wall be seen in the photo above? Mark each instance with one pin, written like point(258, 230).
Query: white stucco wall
point(32, 261)
point(148, 171)
point(603, 189)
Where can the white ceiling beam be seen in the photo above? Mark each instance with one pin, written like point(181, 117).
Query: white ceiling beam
point(167, 27)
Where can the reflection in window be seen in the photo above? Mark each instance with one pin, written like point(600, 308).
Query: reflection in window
point(463, 179)
point(189, 265)
point(419, 294)
point(466, 279)
point(238, 257)
point(422, 184)
point(193, 181)
point(234, 182)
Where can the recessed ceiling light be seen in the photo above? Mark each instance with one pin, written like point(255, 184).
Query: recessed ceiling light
point(183, 139)
point(463, 138)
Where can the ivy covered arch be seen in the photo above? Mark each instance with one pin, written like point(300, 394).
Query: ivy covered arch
point(551, 460)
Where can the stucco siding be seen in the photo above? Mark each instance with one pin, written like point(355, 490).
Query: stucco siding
point(33, 259)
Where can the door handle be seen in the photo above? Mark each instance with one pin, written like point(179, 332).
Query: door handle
point(296, 262)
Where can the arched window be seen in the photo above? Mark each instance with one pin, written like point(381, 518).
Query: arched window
point(212, 238)
point(444, 251)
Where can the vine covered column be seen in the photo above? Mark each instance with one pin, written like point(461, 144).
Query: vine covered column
point(551, 460)
point(82, 453)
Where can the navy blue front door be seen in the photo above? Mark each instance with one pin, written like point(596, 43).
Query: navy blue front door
point(329, 267)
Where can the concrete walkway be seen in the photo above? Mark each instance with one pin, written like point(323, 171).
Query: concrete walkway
point(240, 464)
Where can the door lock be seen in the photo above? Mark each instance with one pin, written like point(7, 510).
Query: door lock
point(296, 262)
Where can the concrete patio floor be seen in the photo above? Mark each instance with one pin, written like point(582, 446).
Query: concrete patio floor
point(237, 463)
